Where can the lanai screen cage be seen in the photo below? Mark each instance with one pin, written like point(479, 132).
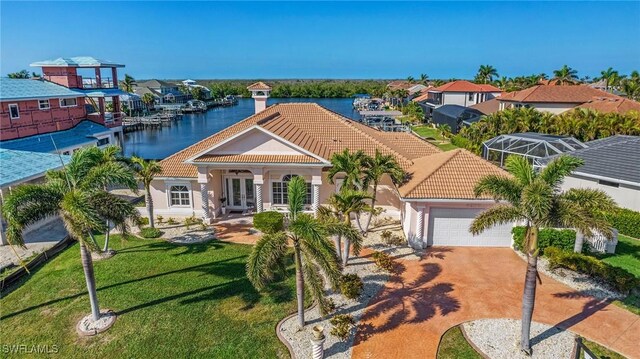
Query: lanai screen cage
point(529, 144)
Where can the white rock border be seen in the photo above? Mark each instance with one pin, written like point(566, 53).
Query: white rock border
point(87, 327)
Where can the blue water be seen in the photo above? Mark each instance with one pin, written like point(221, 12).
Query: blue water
point(158, 143)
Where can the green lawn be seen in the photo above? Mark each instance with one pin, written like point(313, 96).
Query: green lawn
point(627, 255)
point(453, 345)
point(172, 302)
point(430, 132)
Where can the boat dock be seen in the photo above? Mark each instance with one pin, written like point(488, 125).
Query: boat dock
point(384, 120)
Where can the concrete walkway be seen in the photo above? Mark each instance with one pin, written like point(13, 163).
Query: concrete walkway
point(37, 241)
point(453, 285)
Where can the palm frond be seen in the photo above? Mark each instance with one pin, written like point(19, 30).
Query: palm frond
point(590, 199)
point(79, 216)
point(559, 168)
point(267, 255)
point(26, 205)
point(314, 243)
point(109, 174)
point(346, 231)
point(314, 283)
point(115, 209)
point(500, 188)
point(537, 200)
point(296, 192)
point(496, 215)
point(521, 169)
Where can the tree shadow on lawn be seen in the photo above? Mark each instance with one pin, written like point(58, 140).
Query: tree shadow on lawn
point(218, 268)
point(406, 303)
point(592, 306)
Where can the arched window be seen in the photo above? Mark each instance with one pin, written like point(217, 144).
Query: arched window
point(279, 190)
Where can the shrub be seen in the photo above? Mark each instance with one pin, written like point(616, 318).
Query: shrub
point(564, 239)
point(351, 286)
point(342, 324)
point(386, 235)
point(143, 221)
point(617, 277)
point(171, 221)
point(394, 240)
point(626, 221)
point(159, 219)
point(383, 261)
point(269, 222)
point(148, 232)
point(190, 221)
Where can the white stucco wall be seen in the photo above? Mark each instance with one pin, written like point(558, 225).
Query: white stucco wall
point(625, 196)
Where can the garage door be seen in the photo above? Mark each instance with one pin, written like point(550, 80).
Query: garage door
point(450, 227)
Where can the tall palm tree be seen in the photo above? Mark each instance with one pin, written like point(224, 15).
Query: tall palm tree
point(313, 253)
point(77, 195)
point(374, 168)
point(410, 79)
point(148, 100)
point(128, 83)
point(342, 205)
point(565, 75)
point(535, 199)
point(146, 171)
point(349, 164)
point(113, 154)
point(486, 73)
point(424, 79)
point(609, 76)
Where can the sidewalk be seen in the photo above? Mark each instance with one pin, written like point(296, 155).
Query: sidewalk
point(37, 241)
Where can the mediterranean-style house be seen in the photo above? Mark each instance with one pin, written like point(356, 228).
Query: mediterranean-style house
point(246, 167)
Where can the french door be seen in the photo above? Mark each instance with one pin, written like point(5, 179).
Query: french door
point(240, 193)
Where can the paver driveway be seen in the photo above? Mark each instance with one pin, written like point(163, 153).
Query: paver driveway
point(453, 285)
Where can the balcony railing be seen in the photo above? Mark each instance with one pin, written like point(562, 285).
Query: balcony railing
point(92, 83)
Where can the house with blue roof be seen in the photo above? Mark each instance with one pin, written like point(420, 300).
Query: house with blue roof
point(66, 106)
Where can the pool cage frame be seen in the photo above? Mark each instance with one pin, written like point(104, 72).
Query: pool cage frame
point(530, 145)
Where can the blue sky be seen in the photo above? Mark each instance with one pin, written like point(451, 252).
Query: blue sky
point(325, 40)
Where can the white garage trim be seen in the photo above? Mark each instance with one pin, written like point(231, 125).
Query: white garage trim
point(449, 226)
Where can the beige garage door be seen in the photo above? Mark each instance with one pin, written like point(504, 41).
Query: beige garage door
point(450, 227)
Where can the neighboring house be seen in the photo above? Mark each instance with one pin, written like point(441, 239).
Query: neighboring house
point(164, 92)
point(461, 93)
point(35, 112)
point(411, 87)
point(20, 167)
point(205, 90)
point(619, 105)
point(246, 168)
point(553, 99)
point(455, 116)
point(133, 102)
point(487, 107)
point(531, 145)
point(611, 164)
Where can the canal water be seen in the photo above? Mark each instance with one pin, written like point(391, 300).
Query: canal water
point(158, 143)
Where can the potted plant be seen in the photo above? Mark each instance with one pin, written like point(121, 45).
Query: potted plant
point(223, 205)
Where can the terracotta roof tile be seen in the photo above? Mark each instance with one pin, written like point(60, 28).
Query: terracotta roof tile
point(258, 86)
point(313, 128)
point(257, 159)
point(465, 86)
point(450, 175)
point(619, 105)
point(555, 94)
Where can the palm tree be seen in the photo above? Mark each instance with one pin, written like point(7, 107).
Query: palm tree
point(609, 76)
point(374, 168)
point(128, 83)
point(486, 73)
point(342, 205)
point(424, 79)
point(534, 198)
point(313, 253)
point(565, 75)
point(148, 99)
point(146, 172)
point(410, 80)
point(77, 195)
point(350, 164)
point(113, 154)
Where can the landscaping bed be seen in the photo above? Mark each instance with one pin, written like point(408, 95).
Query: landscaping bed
point(172, 301)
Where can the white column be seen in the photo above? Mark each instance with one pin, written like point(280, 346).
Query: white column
point(420, 229)
point(316, 181)
point(203, 180)
point(317, 348)
point(259, 207)
point(258, 181)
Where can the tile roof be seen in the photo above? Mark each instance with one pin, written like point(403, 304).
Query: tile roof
point(155, 84)
point(488, 107)
point(256, 159)
point(424, 94)
point(24, 89)
point(465, 86)
point(313, 128)
point(555, 94)
point(619, 105)
point(77, 61)
point(447, 175)
point(81, 134)
point(19, 166)
point(614, 157)
point(258, 86)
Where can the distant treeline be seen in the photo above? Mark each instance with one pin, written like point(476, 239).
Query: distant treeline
point(301, 88)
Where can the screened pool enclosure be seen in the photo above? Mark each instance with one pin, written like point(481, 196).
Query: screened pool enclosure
point(529, 144)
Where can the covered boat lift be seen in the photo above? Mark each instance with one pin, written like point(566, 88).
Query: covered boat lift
point(384, 120)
